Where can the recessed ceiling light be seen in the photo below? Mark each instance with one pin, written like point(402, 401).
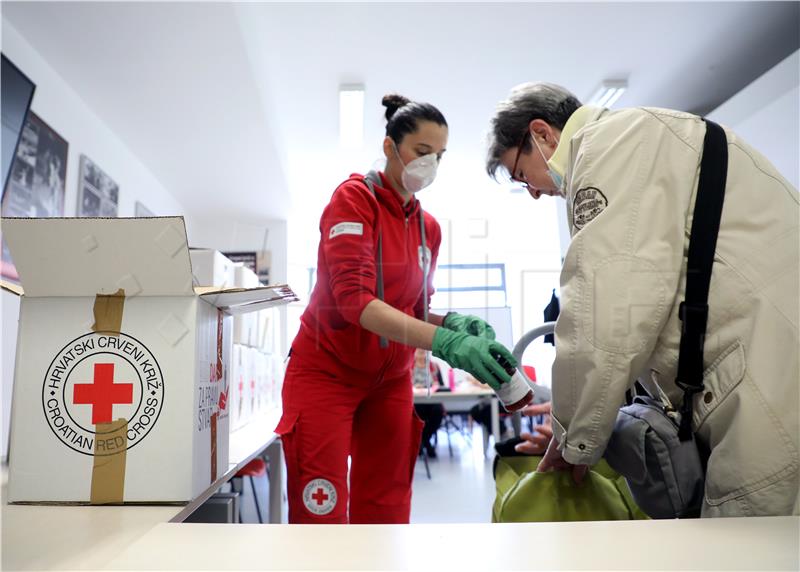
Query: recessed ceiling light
point(608, 93)
point(351, 116)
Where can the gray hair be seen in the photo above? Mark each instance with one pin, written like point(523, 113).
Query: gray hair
point(526, 102)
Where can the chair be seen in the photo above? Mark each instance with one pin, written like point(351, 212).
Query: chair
point(255, 468)
point(451, 426)
point(424, 452)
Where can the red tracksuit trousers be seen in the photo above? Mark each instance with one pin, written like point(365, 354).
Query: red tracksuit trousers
point(329, 416)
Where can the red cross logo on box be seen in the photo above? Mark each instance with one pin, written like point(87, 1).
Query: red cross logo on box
point(115, 374)
point(102, 394)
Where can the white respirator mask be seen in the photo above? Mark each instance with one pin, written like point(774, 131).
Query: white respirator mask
point(419, 173)
point(555, 176)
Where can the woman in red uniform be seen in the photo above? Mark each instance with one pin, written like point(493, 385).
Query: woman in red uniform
point(346, 390)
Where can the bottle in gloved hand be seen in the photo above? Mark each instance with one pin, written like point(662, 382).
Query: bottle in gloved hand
point(473, 354)
point(488, 361)
point(515, 394)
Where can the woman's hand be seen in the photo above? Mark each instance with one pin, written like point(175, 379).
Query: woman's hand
point(475, 355)
point(472, 325)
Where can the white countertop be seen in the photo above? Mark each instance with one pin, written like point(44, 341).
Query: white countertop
point(59, 537)
point(142, 538)
point(73, 537)
point(720, 544)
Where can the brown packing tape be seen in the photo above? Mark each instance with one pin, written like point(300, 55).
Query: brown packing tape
point(108, 312)
point(108, 472)
point(217, 379)
point(214, 447)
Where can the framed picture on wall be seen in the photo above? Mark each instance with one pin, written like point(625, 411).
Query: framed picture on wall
point(35, 186)
point(98, 194)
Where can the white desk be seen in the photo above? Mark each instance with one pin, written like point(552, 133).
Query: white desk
point(50, 537)
point(722, 544)
point(73, 537)
point(141, 538)
point(461, 396)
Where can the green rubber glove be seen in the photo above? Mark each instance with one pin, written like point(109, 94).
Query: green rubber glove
point(468, 324)
point(474, 355)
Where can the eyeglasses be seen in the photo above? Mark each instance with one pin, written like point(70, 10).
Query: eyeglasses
point(513, 175)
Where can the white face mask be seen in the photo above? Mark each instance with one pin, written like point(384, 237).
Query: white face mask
point(555, 176)
point(419, 173)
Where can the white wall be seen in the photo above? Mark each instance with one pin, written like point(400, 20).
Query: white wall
point(61, 107)
point(58, 104)
point(766, 114)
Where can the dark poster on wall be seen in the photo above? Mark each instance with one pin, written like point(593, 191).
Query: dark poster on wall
point(36, 184)
point(98, 194)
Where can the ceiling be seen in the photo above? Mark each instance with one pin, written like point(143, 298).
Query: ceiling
point(233, 107)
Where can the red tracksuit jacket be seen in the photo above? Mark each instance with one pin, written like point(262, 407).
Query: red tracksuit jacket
point(330, 335)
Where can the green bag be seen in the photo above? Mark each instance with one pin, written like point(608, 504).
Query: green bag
point(523, 495)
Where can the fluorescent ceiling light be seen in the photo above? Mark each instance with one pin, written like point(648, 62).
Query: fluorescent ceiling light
point(351, 116)
point(608, 93)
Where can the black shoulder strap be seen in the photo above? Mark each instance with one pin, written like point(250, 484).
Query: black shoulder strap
point(371, 179)
point(702, 245)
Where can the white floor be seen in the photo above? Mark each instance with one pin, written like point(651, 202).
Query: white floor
point(461, 487)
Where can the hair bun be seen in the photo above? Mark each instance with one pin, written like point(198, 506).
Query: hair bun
point(392, 103)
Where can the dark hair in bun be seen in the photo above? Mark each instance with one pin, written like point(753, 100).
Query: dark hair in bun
point(403, 116)
point(392, 103)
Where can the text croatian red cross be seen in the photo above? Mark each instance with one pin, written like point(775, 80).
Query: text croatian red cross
point(320, 496)
point(103, 393)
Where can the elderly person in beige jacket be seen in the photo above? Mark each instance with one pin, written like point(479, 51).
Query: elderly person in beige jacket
point(629, 178)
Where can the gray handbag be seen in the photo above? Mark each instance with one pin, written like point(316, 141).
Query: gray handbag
point(653, 445)
point(664, 474)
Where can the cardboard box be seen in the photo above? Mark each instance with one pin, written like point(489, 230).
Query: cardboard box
point(269, 331)
point(255, 380)
point(212, 268)
point(243, 329)
point(278, 365)
point(245, 326)
point(243, 277)
point(234, 393)
point(266, 338)
point(252, 376)
point(263, 382)
point(123, 368)
point(240, 387)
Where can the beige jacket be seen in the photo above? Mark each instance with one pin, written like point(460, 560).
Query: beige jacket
point(630, 181)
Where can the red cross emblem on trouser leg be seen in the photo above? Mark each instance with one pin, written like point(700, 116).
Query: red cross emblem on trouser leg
point(320, 497)
point(102, 394)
